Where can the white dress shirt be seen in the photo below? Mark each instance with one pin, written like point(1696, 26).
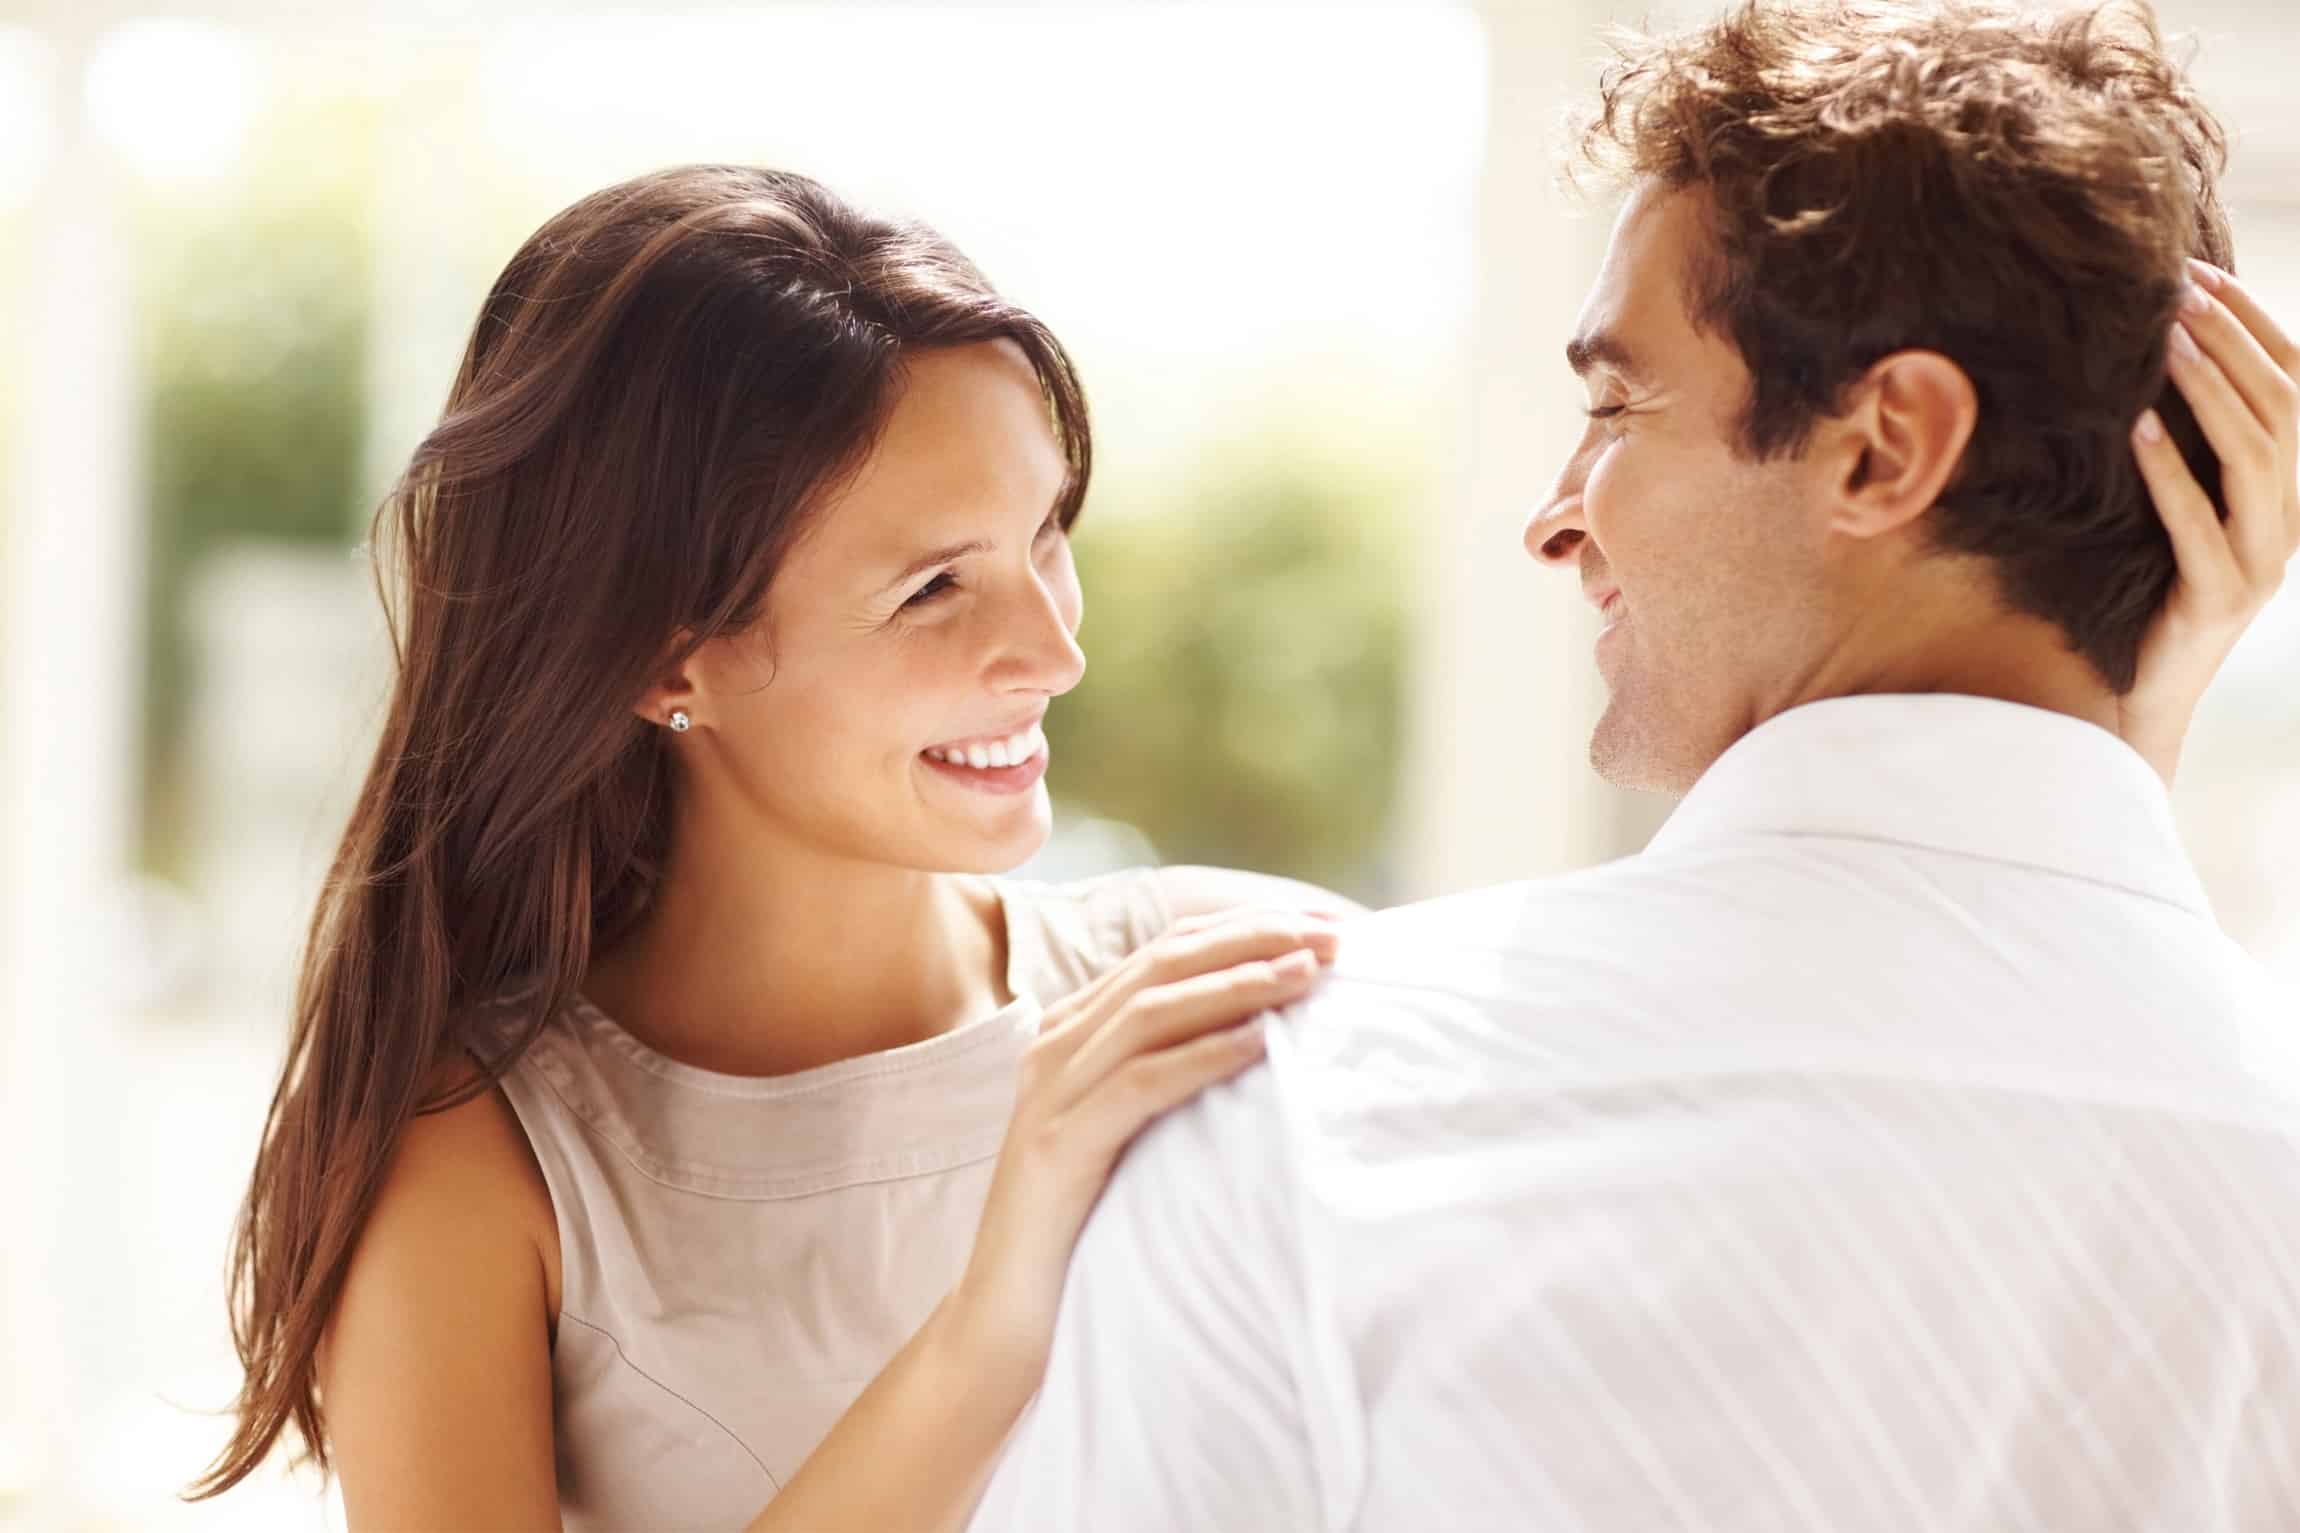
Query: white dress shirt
point(1878, 1151)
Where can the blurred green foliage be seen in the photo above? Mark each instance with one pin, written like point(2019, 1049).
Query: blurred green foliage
point(254, 309)
point(1247, 660)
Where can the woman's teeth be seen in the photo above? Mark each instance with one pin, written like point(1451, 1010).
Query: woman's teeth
point(1012, 751)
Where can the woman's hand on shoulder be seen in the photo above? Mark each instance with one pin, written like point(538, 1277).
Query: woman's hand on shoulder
point(1192, 891)
point(435, 1374)
point(2242, 379)
point(1111, 1058)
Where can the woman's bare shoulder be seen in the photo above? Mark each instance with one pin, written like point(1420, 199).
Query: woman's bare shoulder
point(435, 1374)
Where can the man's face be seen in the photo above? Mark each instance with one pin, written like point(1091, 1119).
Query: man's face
point(1708, 566)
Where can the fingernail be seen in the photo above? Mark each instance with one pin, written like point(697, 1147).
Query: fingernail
point(2194, 300)
point(2205, 273)
point(2183, 343)
point(1299, 961)
point(2151, 427)
point(1249, 1034)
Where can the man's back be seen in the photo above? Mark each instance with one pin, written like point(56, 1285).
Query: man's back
point(1878, 1150)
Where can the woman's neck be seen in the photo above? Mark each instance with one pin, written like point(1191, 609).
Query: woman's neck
point(770, 959)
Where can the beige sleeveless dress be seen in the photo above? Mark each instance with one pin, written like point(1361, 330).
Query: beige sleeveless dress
point(741, 1255)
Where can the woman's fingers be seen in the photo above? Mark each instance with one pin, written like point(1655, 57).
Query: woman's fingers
point(2224, 286)
point(1151, 1085)
point(2255, 475)
point(2242, 355)
point(2241, 378)
point(1163, 1017)
point(1179, 954)
point(1095, 999)
point(1199, 923)
point(2207, 564)
point(2264, 366)
point(2240, 441)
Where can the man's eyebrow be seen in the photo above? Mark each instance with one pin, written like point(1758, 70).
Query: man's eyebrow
point(925, 562)
point(1601, 348)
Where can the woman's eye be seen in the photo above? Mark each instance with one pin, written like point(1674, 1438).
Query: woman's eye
point(1603, 412)
point(933, 588)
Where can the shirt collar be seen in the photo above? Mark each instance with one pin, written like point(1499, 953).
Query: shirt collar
point(1970, 775)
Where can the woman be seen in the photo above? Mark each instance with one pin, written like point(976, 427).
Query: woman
point(671, 1134)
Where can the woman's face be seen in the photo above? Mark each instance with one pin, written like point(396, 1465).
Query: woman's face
point(887, 709)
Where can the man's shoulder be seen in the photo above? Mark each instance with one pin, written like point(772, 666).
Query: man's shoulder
point(1455, 941)
point(1788, 956)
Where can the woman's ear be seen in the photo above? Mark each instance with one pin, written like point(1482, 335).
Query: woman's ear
point(1899, 444)
point(673, 689)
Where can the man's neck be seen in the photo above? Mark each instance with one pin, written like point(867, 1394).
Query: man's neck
point(1952, 639)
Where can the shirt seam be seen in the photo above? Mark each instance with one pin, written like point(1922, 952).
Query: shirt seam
point(774, 1486)
point(661, 1172)
point(2267, 1126)
point(2202, 913)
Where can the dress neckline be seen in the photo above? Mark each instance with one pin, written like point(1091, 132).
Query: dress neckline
point(597, 1026)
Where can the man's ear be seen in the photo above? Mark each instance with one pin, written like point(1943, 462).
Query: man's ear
point(1896, 447)
point(674, 684)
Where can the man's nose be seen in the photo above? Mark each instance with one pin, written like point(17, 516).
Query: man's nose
point(1554, 533)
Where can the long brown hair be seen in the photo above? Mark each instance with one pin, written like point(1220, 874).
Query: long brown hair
point(660, 386)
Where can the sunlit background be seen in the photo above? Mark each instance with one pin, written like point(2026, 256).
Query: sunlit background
point(1315, 268)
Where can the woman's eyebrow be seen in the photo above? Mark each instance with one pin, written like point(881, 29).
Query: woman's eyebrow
point(925, 562)
point(928, 561)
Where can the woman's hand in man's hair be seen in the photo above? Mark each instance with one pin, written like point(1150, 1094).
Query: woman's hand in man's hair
point(2241, 376)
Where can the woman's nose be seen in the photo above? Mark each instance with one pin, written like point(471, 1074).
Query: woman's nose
point(1043, 655)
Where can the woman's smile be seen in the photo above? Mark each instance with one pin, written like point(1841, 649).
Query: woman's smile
point(1010, 764)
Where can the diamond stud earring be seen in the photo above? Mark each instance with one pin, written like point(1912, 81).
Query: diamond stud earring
point(680, 723)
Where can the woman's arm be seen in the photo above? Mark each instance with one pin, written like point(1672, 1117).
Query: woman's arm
point(916, 1448)
point(2242, 379)
point(436, 1371)
point(913, 1451)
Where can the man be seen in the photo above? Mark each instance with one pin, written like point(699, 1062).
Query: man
point(1875, 1151)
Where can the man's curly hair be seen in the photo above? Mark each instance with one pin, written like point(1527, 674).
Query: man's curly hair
point(2015, 191)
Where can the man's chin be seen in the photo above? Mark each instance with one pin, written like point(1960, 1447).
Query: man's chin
point(1628, 750)
point(1608, 756)
point(1645, 755)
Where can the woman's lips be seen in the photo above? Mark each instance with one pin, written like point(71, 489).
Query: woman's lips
point(1019, 778)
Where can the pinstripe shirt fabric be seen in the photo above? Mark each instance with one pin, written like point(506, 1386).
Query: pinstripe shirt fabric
point(1886, 1148)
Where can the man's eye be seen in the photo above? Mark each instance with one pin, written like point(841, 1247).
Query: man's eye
point(1603, 412)
point(933, 588)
